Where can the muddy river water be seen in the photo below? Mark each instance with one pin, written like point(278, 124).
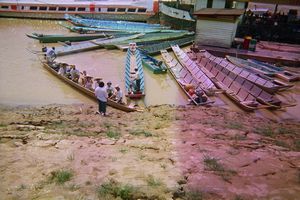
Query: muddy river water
point(23, 80)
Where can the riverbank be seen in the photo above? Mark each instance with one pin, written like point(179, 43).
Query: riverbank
point(166, 152)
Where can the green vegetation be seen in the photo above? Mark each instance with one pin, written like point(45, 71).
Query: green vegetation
point(234, 125)
point(265, 131)
point(61, 176)
point(193, 195)
point(138, 132)
point(123, 150)
point(213, 164)
point(3, 125)
point(107, 125)
point(70, 157)
point(113, 134)
point(73, 187)
point(281, 143)
point(297, 145)
point(21, 187)
point(152, 182)
point(286, 131)
point(114, 189)
point(238, 137)
point(238, 197)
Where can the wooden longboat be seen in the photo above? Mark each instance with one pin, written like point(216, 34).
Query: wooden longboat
point(156, 48)
point(240, 86)
point(206, 84)
point(63, 38)
point(156, 66)
point(255, 69)
point(267, 85)
point(87, 92)
point(182, 76)
point(133, 60)
point(279, 72)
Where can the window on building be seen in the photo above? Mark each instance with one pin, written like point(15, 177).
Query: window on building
point(52, 8)
point(81, 9)
point(121, 9)
point(42, 8)
point(99, 9)
point(62, 8)
point(142, 10)
point(111, 9)
point(71, 9)
point(4, 7)
point(131, 10)
point(33, 8)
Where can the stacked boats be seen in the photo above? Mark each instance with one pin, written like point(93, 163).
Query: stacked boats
point(209, 73)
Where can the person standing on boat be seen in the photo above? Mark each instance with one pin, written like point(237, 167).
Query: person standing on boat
point(50, 55)
point(137, 80)
point(102, 96)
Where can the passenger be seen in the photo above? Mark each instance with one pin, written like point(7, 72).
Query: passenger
point(118, 95)
point(110, 89)
point(74, 73)
point(50, 55)
point(102, 97)
point(137, 79)
point(82, 78)
point(130, 89)
point(199, 96)
point(97, 81)
point(89, 83)
point(62, 69)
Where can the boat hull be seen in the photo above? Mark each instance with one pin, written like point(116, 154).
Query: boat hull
point(87, 92)
point(64, 38)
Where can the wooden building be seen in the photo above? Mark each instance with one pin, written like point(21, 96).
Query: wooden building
point(216, 27)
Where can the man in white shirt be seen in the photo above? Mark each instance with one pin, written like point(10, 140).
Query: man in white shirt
point(50, 55)
point(102, 96)
point(118, 95)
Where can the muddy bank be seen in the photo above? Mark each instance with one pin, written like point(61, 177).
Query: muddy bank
point(166, 152)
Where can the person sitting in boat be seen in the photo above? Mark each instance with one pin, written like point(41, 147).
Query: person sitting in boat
point(136, 79)
point(199, 96)
point(89, 83)
point(118, 95)
point(62, 69)
point(110, 89)
point(130, 89)
point(82, 78)
point(50, 55)
point(74, 73)
point(97, 81)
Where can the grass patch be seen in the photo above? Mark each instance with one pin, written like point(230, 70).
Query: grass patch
point(234, 125)
point(213, 164)
point(113, 134)
point(297, 145)
point(281, 143)
point(238, 137)
point(152, 182)
point(286, 131)
point(123, 150)
point(70, 157)
point(21, 187)
point(138, 132)
point(74, 187)
point(238, 197)
point(107, 125)
point(61, 176)
point(265, 131)
point(3, 125)
point(193, 195)
point(114, 189)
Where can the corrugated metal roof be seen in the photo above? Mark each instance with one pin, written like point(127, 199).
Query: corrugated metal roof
point(284, 2)
point(219, 11)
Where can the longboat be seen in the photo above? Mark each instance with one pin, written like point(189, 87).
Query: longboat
point(86, 91)
point(133, 61)
point(115, 25)
point(256, 69)
point(43, 38)
point(206, 84)
point(154, 65)
point(279, 72)
point(183, 77)
point(156, 48)
point(267, 85)
point(237, 88)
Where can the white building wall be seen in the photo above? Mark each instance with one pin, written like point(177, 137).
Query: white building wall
point(200, 4)
point(218, 3)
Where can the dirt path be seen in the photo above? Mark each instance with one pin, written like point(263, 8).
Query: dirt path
point(68, 152)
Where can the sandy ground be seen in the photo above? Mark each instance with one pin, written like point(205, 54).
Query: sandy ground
point(165, 152)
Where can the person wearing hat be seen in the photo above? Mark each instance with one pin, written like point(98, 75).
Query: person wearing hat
point(109, 88)
point(102, 96)
point(89, 82)
point(74, 73)
point(50, 55)
point(118, 95)
point(82, 78)
point(62, 69)
point(97, 81)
